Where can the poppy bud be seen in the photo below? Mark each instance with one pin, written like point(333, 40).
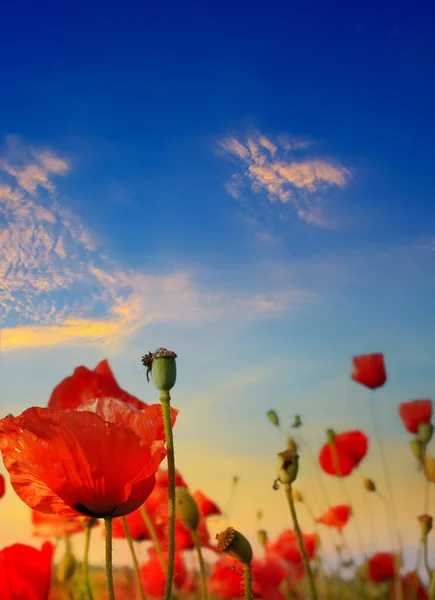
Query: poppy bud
point(273, 417)
point(291, 444)
point(425, 522)
point(235, 479)
point(66, 567)
point(297, 496)
point(288, 466)
point(186, 508)
point(369, 484)
point(330, 435)
point(417, 448)
point(259, 514)
point(262, 536)
point(429, 468)
point(425, 431)
point(297, 422)
point(235, 544)
point(163, 368)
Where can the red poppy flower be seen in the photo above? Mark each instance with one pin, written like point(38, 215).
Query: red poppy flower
point(154, 578)
point(2, 486)
point(183, 536)
point(415, 412)
point(337, 516)
point(349, 447)
point(382, 566)
point(45, 525)
point(99, 460)
point(269, 574)
point(286, 546)
point(226, 579)
point(25, 572)
point(369, 370)
point(85, 385)
point(205, 506)
point(412, 588)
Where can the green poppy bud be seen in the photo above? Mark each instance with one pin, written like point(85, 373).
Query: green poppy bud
point(66, 567)
point(186, 508)
point(235, 544)
point(417, 448)
point(273, 417)
point(297, 422)
point(330, 435)
point(262, 536)
point(425, 432)
point(369, 484)
point(162, 366)
point(288, 466)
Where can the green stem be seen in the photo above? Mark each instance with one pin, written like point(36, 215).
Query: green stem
point(85, 565)
point(309, 573)
point(153, 535)
point(392, 510)
point(109, 569)
point(201, 565)
point(134, 557)
point(426, 557)
point(247, 578)
point(165, 399)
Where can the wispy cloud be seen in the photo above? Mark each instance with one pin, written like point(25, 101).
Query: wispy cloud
point(58, 287)
point(271, 167)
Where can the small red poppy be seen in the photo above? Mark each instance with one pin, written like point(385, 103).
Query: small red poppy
point(45, 525)
point(287, 548)
point(415, 412)
point(136, 526)
point(99, 460)
point(412, 588)
point(269, 573)
point(369, 370)
point(206, 506)
point(383, 566)
point(2, 486)
point(226, 579)
point(86, 384)
point(349, 448)
point(154, 578)
point(25, 572)
point(336, 516)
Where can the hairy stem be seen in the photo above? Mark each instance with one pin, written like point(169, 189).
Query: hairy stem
point(109, 568)
point(165, 399)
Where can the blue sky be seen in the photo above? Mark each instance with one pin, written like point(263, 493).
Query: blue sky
point(249, 186)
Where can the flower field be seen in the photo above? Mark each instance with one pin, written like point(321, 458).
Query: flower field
point(67, 463)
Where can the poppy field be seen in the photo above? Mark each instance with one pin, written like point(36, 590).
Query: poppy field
point(66, 462)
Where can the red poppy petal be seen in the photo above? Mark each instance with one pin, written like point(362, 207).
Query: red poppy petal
point(205, 506)
point(2, 486)
point(415, 412)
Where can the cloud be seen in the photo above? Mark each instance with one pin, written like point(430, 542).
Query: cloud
point(57, 286)
point(266, 167)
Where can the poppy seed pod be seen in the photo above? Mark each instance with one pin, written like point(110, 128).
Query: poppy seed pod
point(66, 567)
point(235, 544)
point(186, 508)
point(425, 522)
point(287, 466)
point(417, 448)
point(369, 484)
point(262, 536)
point(425, 432)
point(273, 417)
point(163, 368)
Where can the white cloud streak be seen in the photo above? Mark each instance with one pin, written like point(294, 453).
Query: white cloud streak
point(266, 167)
